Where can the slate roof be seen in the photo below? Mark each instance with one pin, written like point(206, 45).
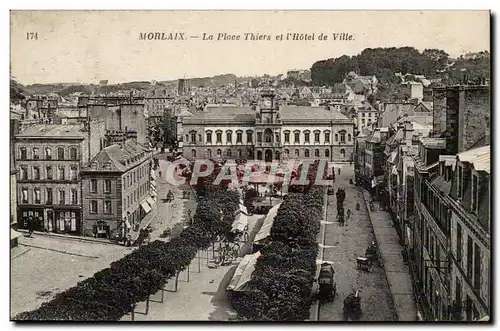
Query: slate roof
point(59, 131)
point(479, 157)
point(442, 185)
point(223, 113)
point(116, 156)
point(434, 143)
point(310, 113)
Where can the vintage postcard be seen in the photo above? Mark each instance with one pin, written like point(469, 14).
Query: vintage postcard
point(250, 166)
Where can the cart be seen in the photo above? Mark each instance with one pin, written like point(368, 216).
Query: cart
point(364, 264)
point(352, 303)
point(327, 284)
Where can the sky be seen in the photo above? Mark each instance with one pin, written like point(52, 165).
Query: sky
point(89, 46)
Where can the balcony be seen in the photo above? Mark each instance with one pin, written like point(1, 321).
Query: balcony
point(268, 144)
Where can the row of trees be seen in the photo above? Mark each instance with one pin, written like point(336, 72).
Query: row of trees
point(113, 292)
point(281, 285)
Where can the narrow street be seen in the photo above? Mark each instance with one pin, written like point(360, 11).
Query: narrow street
point(341, 247)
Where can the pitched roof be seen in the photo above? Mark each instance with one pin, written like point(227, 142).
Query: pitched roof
point(294, 113)
point(479, 157)
point(59, 131)
point(114, 157)
point(223, 113)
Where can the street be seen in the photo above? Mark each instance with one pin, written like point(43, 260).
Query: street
point(341, 247)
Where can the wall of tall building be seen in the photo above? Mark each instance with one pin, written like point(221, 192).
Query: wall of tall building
point(474, 105)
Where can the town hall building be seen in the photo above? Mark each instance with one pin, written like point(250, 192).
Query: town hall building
point(268, 132)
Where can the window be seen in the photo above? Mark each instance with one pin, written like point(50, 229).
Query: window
point(363, 121)
point(209, 137)
point(73, 172)
point(296, 153)
point(287, 153)
point(93, 207)
point(239, 137)
point(306, 137)
point(249, 137)
point(239, 152)
point(24, 197)
point(218, 137)
point(209, 153)
point(72, 153)
point(228, 153)
point(369, 114)
point(306, 153)
point(49, 196)
point(474, 197)
point(23, 173)
point(336, 137)
point(193, 137)
point(93, 185)
point(469, 257)
point(349, 137)
point(36, 196)
point(193, 153)
point(36, 173)
point(327, 153)
point(219, 152)
point(187, 137)
point(60, 153)
point(316, 136)
point(259, 137)
point(107, 185)
point(62, 197)
point(74, 196)
point(459, 183)
point(107, 207)
point(48, 153)
point(342, 137)
point(36, 156)
point(61, 173)
point(296, 137)
point(316, 153)
point(477, 267)
point(277, 138)
point(229, 137)
point(48, 170)
point(24, 154)
point(287, 137)
point(342, 152)
point(199, 137)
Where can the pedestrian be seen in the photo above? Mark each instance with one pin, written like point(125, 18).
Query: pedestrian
point(159, 174)
point(31, 225)
point(339, 171)
point(348, 215)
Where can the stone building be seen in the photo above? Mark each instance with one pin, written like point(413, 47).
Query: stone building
point(125, 117)
point(116, 190)
point(48, 160)
point(268, 132)
point(450, 244)
point(461, 114)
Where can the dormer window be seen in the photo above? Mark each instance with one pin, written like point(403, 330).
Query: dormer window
point(94, 166)
point(475, 194)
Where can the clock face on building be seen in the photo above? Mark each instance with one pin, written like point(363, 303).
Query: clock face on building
point(267, 103)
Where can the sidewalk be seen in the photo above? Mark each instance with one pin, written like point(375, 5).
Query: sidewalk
point(396, 271)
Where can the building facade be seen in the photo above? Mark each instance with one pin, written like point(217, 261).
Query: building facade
point(450, 257)
point(48, 161)
point(268, 132)
point(116, 188)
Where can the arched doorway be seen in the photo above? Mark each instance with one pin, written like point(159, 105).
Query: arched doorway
point(268, 155)
point(259, 155)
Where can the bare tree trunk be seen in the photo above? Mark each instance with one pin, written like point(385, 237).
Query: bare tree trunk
point(188, 274)
point(162, 294)
point(176, 280)
point(199, 263)
point(147, 305)
point(133, 312)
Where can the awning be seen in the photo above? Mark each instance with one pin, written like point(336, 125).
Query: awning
point(243, 272)
point(150, 201)
point(145, 206)
point(152, 174)
point(14, 234)
point(265, 230)
point(154, 194)
point(240, 223)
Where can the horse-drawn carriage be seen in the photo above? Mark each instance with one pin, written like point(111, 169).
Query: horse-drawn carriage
point(326, 281)
point(352, 303)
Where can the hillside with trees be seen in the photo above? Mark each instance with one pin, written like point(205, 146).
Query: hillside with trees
point(471, 68)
